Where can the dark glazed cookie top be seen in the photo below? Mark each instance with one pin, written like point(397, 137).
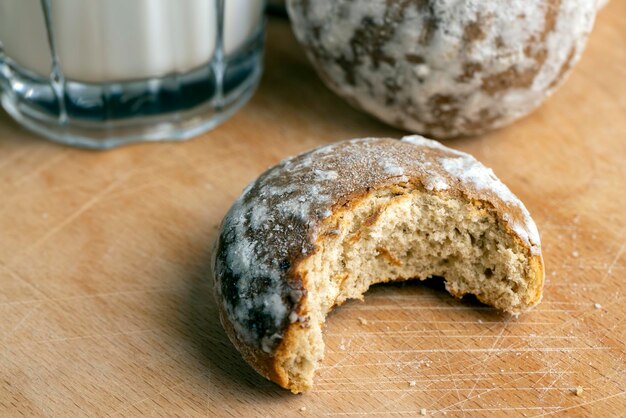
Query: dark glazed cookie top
point(274, 223)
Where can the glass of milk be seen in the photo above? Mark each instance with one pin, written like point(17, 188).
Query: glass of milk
point(102, 73)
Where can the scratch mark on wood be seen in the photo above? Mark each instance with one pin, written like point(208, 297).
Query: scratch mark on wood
point(73, 216)
point(583, 404)
point(39, 168)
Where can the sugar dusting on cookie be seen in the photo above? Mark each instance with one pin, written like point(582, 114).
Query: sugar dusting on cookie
point(444, 68)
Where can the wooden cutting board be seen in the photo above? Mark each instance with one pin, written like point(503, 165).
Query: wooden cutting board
point(105, 297)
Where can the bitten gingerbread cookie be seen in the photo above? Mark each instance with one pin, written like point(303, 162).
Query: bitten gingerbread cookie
point(321, 228)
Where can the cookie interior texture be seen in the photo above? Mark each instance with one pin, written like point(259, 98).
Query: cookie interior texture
point(400, 233)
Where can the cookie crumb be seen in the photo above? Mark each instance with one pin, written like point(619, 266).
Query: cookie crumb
point(480, 321)
point(597, 306)
point(423, 412)
point(302, 409)
point(578, 391)
point(412, 383)
point(363, 321)
point(575, 254)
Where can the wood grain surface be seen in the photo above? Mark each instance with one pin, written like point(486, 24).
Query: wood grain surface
point(105, 295)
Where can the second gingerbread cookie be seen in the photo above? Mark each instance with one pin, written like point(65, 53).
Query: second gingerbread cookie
point(443, 68)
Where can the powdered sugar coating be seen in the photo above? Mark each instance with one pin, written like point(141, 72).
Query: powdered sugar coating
point(443, 67)
point(436, 183)
point(391, 168)
point(274, 223)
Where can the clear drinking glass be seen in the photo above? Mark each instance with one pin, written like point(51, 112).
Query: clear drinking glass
point(102, 73)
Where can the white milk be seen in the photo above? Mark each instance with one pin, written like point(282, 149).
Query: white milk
point(115, 40)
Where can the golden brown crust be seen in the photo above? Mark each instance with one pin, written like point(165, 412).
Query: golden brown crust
point(265, 364)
